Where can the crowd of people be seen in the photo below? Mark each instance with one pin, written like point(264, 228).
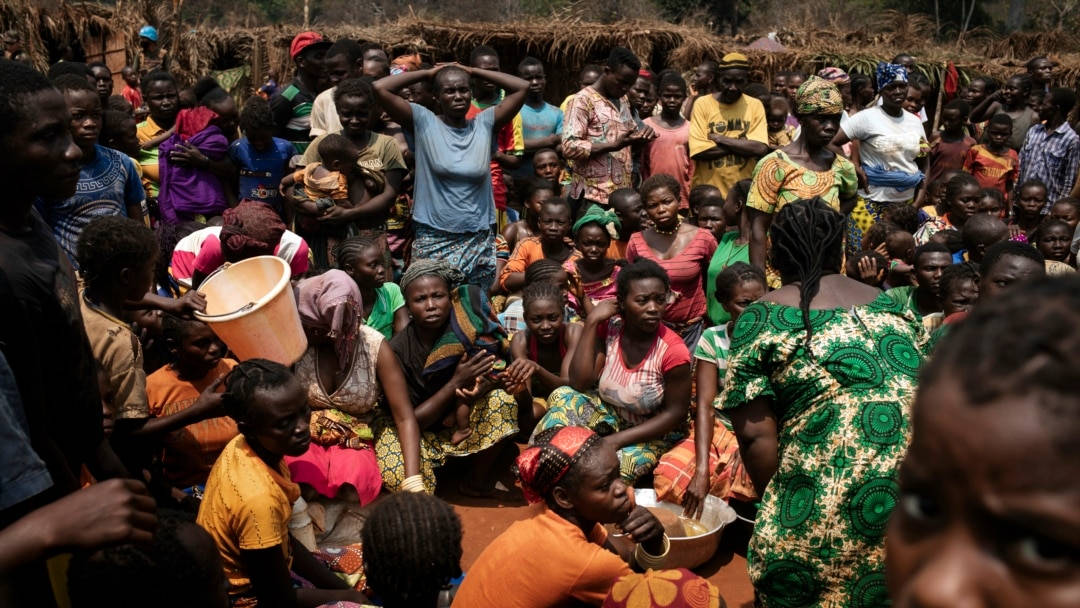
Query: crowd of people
point(809, 297)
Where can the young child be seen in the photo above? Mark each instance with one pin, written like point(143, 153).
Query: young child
point(363, 257)
point(1068, 210)
point(630, 211)
point(669, 152)
point(707, 209)
point(777, 110)
point(992, 202)
point(980, 233)
point(994, 163)
point(962, 195)
point(533, 194)
point(959, 287)
point(733, 245)
point(249, 495)
point(593, 274)
point(900, 251)
point(986, 509)
point(326, 183)
point(119, 132)
point(1052, 238)
point(708, 461)
point(558, 556)
point(261, 159)
point(542, 271)
point(130, 92)
point(198, 364)
point(913, 103)
point(550, 244)
point(867, 266)
point(1027, 212)
point(949, 146)
point(541, 354)
point(548, 165)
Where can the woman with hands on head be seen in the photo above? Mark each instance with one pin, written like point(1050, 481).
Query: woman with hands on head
point(453, 211)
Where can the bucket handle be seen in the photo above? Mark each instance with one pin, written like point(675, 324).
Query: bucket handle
point(243, 308)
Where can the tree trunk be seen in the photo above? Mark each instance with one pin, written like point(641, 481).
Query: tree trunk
point(307, 13)
point(1014, 20)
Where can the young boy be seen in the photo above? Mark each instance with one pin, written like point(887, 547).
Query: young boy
point(130, 92)
point(914, 100)
point(118, 132)
point(541, 122)
point(533, 193)
point(949, 146)
point(1031, 199)
point(630, 211)
point(550, 244)
point(777, 110)
point(922, 298)
point(261, 159)
point(548, 165)
point(994, 163)
point(670, 152)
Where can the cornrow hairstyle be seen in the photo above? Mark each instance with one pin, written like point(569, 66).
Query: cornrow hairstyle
point(957, 184)
point(412, 549)
point(658, 181)
point(807, 241)
point(246, 378)
point(256, 115)
point(482, 51)
point(110, 244)
point(905, 217)
point(350, 249)
point(155, 76)
point(997, 251)
point(1024, 343)
point(73, 82)
point(639, 269)
point(354, 87)
point(541, 291)
point(735, 275)
point(955, 274)
point(542, 271)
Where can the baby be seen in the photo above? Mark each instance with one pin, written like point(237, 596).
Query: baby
point(326, 183)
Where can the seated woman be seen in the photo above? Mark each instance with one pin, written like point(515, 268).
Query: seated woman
point(345, 372)
point(708, 461)
point(196, 371)
point(561, 555)
point(249, 495)
point(250, 229)
point(363, 257)
point(630, 375)
point(541, 354)
point(448, 353)
point(593, 274)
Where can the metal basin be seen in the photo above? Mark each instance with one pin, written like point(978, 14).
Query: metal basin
point(686, 551)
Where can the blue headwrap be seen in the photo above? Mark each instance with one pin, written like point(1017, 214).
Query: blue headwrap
point(888, 73)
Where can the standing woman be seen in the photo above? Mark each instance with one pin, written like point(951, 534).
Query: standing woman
point(805, 168)
point(454, 207)
point(820, 377)
point(891, 158)
point(681, 249)
point(1011, 99)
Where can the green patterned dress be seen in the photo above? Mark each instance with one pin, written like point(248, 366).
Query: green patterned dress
point(843, 427)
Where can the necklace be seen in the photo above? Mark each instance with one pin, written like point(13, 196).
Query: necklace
point(660, 230)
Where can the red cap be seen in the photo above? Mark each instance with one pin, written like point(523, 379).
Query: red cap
point(304, 40)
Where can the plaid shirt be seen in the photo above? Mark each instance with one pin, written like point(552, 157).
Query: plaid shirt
point(1053, 157)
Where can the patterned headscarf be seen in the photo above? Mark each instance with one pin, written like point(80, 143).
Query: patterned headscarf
point(331, 303)
point(818, 96)
point(834, 75)
point(597, 215)
point(888, 73)
point(440, 268)
point(733, 61)
point(668, 588)
point(542, 466)
point(251, 228)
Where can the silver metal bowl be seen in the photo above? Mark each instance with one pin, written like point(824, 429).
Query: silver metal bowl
point(686, 551)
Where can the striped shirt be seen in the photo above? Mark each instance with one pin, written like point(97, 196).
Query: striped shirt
point(686, 270)
point(1053, 157)
point(292, 113)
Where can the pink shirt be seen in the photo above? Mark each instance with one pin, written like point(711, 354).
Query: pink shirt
point(201, 250)
point(638, 392)
point(686, 270)
point(670, 153)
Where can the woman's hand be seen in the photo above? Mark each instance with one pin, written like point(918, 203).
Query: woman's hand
point(187, 155)
point(520, 371)
point(694, 498)
point(469, 368)
point(644, 529)
point(336, 215)
point(603, 311)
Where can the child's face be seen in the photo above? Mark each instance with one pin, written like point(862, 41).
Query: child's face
point(711, 217)
point(631, 212)
point(85, 109)
point(960, 297)
point(937, 193)
point(537, 200)
point(547, 166)
point(1032, 200)
point(601, 494)
point(278, 420)
point(641, 93)
point(913, 101)
point(999, 134)
point(964, 204)
point(952, 121)
point(991, 206)
point(561, 280)
point(744, 294)
point(900, 245)
point(733, 205)
point(672, 98)
point(1067, 213)
point(1054, 243)
point(199, 350)
point(554, 222)
point(975, 92)
point(779, 84)
point(988, 512)
point(544, 319)
point(776, 117)
point(260, 139)
point(593, 241)
point(368, 269)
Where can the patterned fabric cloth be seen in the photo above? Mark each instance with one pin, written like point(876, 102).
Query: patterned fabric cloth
point(728, 478)
point(818, 96)
point(591, 119)
point(836, 76)
point(842, 404)
point(783, 137)
point(596, 291)
point(864, 215)
point(663, 589)
point(472, 252)
point(778, 181)
point(1053, 157)
point(346, 562)
point(728, 251)
point(292, 113)
point(888, 73)
point(993, 171)
point(931, 227)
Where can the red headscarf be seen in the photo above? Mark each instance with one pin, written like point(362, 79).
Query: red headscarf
point(542, 466)
point(250, 229)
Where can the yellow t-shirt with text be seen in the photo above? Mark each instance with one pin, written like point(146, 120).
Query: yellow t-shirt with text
point(744, 119)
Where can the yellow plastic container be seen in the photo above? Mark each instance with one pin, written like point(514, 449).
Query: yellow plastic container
point(250, 305)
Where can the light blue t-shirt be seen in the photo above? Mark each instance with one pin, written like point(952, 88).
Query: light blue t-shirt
point(452, 180)
point(534, 125)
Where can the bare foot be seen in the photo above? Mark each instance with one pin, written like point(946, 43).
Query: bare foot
point(460, 435)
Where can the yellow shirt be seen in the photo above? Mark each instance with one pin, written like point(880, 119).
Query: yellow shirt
point(246, 506)
point(119, 354)
point(148, 159)
point(744, 119)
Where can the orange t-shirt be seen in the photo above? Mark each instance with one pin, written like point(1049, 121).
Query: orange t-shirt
point(527, 251)
point(190, 452)
point(539, 562)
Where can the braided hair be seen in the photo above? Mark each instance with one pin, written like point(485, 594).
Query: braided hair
point(542, 271)
point(349, 250)
point(540, 291)
point(807, 243)
point(735, 275)
point(412, 549)
point(246, 378)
